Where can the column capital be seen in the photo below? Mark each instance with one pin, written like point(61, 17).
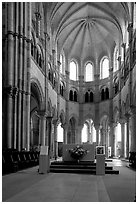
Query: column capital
point(122, 121)
point(49, 118)
point(130, 27)
point(53, 51)
point(123, 45)
point(47, 36)
point(55, 121)
point(67, 72)
point(111, 69)
point(41, 113)
point(64, 126)
point(96, 76)
point(38, 16)
point(11, 91)
point(58, 63)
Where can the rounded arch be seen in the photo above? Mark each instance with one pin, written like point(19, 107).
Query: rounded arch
point(87, 117)
point(89, 71)
point(73, 65)
point(104, 67)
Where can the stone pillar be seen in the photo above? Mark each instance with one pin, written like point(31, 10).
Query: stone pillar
point(133, 130)
point(42, 127)
point(28, 5)
point(122, 138)
point(9, 120)
point(49, 131)
point(15, 93)
point(130, 31)
point(78, 135)
point(58, 92)
point(38, 18)
point(65, 128)
point(55, 122)
point(97, 135)
point(111, 138)
point(127, 136)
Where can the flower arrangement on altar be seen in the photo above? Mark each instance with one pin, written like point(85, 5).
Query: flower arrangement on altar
point(78, 152)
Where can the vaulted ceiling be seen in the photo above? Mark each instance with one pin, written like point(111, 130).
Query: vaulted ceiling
point(88, 30)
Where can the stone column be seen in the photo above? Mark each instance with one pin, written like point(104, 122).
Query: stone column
point(15, 93)
point(133, 129)
point(78, 135)
point(20, 68)
point(49, 131)
point(122, 138)
point(111, 138)
point(42, 127)
point(127, 135)
point(38, 18)
point(65, 128)
point(28, 76)
point(8, 91)
point(130, 31)
point(97, 134)
point(55, 122)
point(58, 92)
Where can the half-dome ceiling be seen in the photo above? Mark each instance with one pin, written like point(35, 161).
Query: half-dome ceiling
point(88, 30)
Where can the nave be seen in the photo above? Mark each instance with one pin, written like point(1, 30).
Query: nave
point(30, 186)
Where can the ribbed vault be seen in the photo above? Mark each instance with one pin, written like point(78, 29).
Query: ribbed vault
point(88, 29)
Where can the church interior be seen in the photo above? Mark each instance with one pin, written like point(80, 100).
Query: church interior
point(68, 81)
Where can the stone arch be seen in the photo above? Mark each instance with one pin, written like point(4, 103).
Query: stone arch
point(38, 92)
point(36, 104)
point(88, 116)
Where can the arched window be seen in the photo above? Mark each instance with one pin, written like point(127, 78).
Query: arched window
point(86, 97)
point(102, 95)
point(62, 86)
point(91, 96)
point(107, 93)
point(89, 76)
point(104, 72)
point(71, 95)
point(73, 71)
point(75, 96)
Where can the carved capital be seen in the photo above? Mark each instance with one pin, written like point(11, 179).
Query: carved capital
point(130, 27)
point(38, 16)
point(10, 91)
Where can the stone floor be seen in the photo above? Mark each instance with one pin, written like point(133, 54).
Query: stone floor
point(30, 186)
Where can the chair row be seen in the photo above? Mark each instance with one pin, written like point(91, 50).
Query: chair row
point(13, 161)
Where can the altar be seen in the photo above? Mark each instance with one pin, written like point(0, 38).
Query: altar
point(88, 149)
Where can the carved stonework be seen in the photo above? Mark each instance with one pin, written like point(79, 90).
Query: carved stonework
point(10, 91)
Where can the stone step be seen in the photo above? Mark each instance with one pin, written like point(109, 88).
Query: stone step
point(86, 171)
point(79, 166)
point(74, 163)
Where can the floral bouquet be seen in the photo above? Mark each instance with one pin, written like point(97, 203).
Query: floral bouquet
point(78, 152)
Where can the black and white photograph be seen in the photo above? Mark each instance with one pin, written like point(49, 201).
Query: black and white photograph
point(68, 101)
